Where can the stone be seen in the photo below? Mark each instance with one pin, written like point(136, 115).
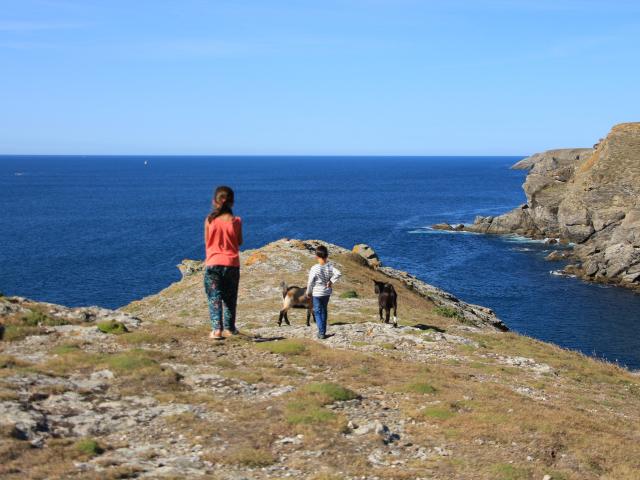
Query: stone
point(556, 255)
point(442, 226)
point(368, 253)
point(23, 422)
point(190, 267)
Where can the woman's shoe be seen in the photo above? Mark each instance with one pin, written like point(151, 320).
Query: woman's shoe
point(229, 333)
point(216, 335)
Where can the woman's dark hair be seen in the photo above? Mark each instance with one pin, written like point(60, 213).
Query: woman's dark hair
point(224, 196)
point(322, 252)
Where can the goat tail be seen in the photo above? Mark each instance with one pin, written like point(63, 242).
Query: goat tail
point(284, 287)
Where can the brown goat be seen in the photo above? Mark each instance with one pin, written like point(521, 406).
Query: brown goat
point(295, 297)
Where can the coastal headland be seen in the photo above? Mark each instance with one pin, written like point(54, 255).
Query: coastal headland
point(586, 198)
point(142, 392)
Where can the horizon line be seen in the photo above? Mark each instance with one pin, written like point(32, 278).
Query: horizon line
point(240, 155)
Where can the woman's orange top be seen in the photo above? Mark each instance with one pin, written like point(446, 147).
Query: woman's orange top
point(223, 242)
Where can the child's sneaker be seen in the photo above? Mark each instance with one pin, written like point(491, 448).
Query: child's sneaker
point(216, 335)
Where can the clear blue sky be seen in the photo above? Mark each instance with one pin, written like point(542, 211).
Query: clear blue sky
point(315, 77)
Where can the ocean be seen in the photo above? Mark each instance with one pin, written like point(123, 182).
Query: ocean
point(109, 230)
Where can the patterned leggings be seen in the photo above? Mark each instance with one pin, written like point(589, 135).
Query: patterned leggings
point(221, 286)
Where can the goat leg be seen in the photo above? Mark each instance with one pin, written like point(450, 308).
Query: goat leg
point(395, 314)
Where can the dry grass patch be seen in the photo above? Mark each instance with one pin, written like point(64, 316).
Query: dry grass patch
point(255, 257)
point(66, 348)
point(8, 361)
point(136, 370)
point(250, 457)
point(19, 461)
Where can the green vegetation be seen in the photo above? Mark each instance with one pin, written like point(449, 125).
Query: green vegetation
point(447, 312)
point(420, 387)
point(284, 347)
point(90, 447)
point(438, 413)
point(131, 360)
point(305, 412)
point(33, 318)
point(505, 471)
point(18, 332)
point(112, 326)
point(66, 348)
point(332, 391)
point(349, 294)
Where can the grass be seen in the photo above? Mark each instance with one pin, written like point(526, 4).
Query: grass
point(307, 405)
point(65, 349)
point(136, 370)
point(89, 447)
point(420, 387)
point(33, 318)
point(349, 294)
point(505, 471)
point(13, 333)
point(250, 457)
point(447, 312)
point(112, 327)
point(284, 347)
point(438, 413)
point(7, 361)
point(332, 391)
point(305, 412)
point(31, 322)
point(128, 361)
point(249, 376)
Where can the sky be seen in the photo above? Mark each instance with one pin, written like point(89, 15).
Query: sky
point(335, 77)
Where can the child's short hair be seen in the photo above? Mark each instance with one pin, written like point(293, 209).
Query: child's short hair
point(322, 252)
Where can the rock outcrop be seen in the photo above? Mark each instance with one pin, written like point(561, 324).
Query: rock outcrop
point(586, 197)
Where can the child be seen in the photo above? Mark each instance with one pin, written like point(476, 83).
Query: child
point(222, 239)
point(321, 278)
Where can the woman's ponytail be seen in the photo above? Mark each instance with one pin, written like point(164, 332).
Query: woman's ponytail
point(223, 197)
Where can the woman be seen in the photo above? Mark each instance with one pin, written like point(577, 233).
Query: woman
point(222, 239)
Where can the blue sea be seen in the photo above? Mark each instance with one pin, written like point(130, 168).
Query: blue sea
point(109, 230)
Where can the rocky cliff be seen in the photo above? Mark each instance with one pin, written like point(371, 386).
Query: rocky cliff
point(142, 392)
point(587, 197)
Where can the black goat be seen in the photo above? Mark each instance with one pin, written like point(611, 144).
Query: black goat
point(387, 299)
